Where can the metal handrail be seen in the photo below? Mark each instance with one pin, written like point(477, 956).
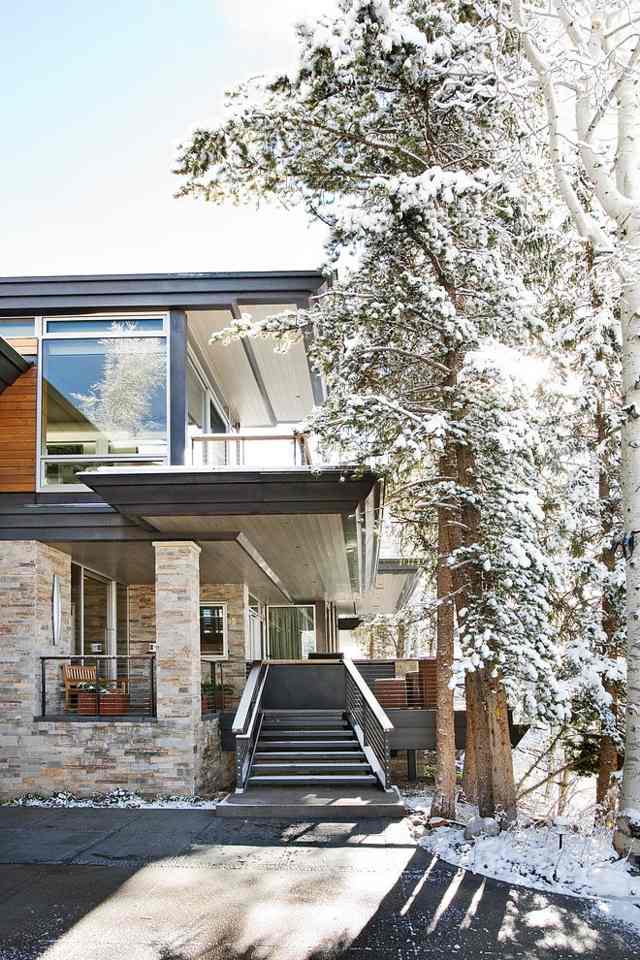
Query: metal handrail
point(248, 723)
point(370, 723)
point(359, 680)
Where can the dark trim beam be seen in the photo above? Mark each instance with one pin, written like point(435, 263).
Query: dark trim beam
point(178, 385)
point(185, 290)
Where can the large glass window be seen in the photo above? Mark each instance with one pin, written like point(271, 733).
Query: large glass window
point(104, 399)
point(292, 632)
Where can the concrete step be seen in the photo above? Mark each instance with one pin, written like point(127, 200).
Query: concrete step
point(302, 767)
point(308, 744)
point(295, 781)
point(322, 803)
point(300, 733)
point(349, 755)
point(275, 723)
point(305, 713)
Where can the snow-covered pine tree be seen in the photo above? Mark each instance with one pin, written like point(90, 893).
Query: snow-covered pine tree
point(587, 56)
point(581, 403)
point(395, 131)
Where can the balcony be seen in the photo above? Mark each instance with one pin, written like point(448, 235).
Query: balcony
point(235, 450)
point(98, 687)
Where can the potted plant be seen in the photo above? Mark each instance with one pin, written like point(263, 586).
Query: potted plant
point(208, 696)
point(213, 695)
point(114, 701)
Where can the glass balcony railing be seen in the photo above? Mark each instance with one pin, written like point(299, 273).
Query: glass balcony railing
point(250, 450)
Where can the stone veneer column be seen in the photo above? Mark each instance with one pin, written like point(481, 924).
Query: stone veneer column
point(27, 568)
point(178, 630)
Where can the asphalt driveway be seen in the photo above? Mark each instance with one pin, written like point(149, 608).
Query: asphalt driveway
point(85, 884)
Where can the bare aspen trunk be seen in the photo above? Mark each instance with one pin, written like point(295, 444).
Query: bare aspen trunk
point(444, 801)
point(401, 641)
point(627, 835)
point(607, 751)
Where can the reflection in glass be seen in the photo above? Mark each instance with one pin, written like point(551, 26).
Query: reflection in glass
point(105, 397)
point(106, 324)
point(212, 630)
point(66, 471)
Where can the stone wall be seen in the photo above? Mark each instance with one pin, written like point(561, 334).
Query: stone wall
point(177, 753)
point(26, 633)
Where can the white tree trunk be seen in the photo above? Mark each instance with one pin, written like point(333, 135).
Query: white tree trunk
point(627, 837)
point(605, 43)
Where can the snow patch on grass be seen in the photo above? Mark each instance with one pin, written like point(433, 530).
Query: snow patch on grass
point(529, 854)
point(120, 799)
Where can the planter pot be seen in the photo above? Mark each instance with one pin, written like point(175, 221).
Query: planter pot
point(114, 704)
point(87, 703)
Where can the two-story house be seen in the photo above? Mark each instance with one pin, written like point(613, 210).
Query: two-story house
point(163, 526)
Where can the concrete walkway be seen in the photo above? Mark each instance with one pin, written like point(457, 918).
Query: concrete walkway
point(171, 885)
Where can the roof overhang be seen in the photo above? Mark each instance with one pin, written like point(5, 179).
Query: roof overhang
point(12, 365)
point(155, 290)
point(141, 492)
point(310, 527)
point(395, 582)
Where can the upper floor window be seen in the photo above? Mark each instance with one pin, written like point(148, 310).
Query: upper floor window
point(103, 394)
point(17, 327)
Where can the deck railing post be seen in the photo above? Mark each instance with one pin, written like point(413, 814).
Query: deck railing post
point(152, 675)
point(43, 686)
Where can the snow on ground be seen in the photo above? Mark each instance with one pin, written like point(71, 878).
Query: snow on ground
point(528, 853)
point(117, 798)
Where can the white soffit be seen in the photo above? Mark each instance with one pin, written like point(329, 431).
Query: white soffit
point(285, 375)
point(385, 594)
point(307, 552)
point(229, 367)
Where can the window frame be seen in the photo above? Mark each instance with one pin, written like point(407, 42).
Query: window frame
point(225, 630)
point(42, 334)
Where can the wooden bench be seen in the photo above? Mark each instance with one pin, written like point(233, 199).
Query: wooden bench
point(75, 675)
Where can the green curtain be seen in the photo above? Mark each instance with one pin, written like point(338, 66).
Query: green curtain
point(284, 633)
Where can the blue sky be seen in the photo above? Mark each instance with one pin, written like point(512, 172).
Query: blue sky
point(94, 96)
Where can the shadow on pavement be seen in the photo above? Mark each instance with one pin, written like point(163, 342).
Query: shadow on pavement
point(185, 886)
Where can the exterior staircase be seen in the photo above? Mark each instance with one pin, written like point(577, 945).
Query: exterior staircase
point(308, 748)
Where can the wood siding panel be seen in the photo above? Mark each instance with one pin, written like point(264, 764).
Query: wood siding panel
point(18, 435)
point(27, 346)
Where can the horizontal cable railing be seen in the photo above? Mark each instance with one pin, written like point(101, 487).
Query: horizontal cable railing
point(102, 687)
point(371, 724)
point(403, 684)
point(218, 692)
point(250, 450)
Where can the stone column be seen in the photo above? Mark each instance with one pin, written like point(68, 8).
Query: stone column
point(178, 630)
point(27, 568)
